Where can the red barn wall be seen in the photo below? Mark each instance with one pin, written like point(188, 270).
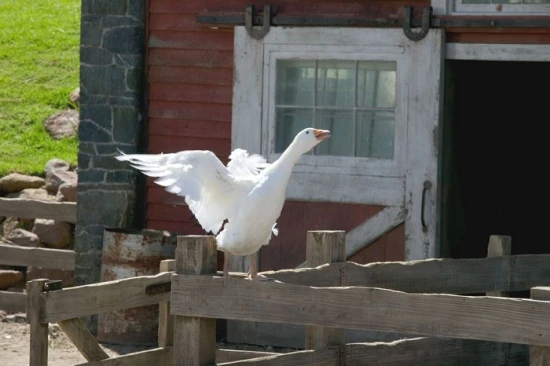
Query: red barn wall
point(190, 77)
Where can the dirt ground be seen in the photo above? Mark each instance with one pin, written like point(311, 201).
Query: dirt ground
point(15, 340)
point(14, 344)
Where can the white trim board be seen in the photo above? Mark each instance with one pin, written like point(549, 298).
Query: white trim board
point(497, 52)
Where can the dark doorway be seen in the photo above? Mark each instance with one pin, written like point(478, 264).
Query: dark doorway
point(495, 156)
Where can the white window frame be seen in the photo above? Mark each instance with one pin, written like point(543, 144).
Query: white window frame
point(456, 7)
point(394, 167)
point(315, 177)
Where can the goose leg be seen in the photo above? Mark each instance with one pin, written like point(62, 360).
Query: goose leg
point(226, 257)
point(253, 270)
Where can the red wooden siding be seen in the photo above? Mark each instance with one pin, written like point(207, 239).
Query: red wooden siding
point(190, 77)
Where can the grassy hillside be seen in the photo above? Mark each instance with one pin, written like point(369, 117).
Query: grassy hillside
point(39, 62)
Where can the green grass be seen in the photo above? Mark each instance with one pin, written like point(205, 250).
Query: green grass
point(39, 67)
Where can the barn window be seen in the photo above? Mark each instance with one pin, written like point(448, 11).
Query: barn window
point(353, 99)
point(352, 82)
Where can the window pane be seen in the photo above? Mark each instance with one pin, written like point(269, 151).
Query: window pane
point(336, 83)
point(290, 121)
point(376, 84)
point(340, 123)
point(295, 82)
point(375, 134)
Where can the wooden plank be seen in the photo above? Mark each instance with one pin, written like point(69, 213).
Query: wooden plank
point(229, 355)
point(424, 351)
point(190, 110)
point(499, 245)
point(193, 58)
point(13, 301)
point(322, 357)
point(381, 223)
point(31, 209)
point(370, 230)
point(321, 276)
point(83, 340)
point(191, 40)
point(195, 337)
point(539, 356)
point(157, 356)
point(103, 297)
point(455, 276)
point(190, 93)
point(190, 75)
point(38, 329)
point(166, 321)
point(14, 255)
point(424, 130)
point(471, 317)
point(498, 52)
point(325, 247)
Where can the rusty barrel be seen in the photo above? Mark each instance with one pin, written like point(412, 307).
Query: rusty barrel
point(126, 254)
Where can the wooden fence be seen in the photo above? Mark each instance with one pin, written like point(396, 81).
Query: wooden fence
point(417, 298)
point(14, 255)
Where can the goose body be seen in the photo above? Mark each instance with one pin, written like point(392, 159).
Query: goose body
point(240, 202)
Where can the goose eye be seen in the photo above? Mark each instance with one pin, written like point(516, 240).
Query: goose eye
point(307, 132)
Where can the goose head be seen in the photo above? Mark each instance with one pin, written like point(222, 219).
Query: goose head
point(308, 138)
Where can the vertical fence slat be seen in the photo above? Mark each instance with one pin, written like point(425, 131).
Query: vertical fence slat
point(539, 356)
point(325, 247)
point(500, 245)
point(195, 338)
point(39, 332)
point(166, 321)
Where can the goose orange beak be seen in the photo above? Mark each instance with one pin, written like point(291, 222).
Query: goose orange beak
point(321, 134)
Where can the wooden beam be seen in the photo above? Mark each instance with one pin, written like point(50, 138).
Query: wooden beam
point(14, 255)
point(13, 301)
point(38, 329)
point(539, 356)
point(324, 275)
point(411, 351)
point(32, 209)
point(325, 247)
point(166, 321)
point(370, 230)
point(157, 356)
point(499, 245)
point(103, 297)
point(83, 340)
point(320, 357)
point(470, 317)
point(195, 337)
point(230, 355)
point(455, 276)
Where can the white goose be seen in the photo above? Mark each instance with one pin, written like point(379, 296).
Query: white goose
point(249, 193)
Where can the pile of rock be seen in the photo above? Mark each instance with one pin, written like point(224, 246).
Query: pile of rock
point(59, 185)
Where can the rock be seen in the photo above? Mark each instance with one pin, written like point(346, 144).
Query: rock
point(57, 172)
point(63, 124)
point(38, 194)
point(53, 234)
point(9, 225)
point(15, 318)
point(16, 182)
point(74, 97)
point(66, 277)
point(66, 193)
point(24, 238)
point(9, 278)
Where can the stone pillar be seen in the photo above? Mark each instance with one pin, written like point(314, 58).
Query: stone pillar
point(112, 98)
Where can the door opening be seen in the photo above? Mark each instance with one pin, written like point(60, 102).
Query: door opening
point(495, 164)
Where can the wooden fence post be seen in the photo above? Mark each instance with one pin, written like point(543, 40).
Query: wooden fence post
point(195, 338)
point(166, 321)
point(38, 331)
point(539, 356)
point(499, 245)
point(325, 247)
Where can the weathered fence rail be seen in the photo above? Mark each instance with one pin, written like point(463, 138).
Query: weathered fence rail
point(414, 298)
point(14, 255)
